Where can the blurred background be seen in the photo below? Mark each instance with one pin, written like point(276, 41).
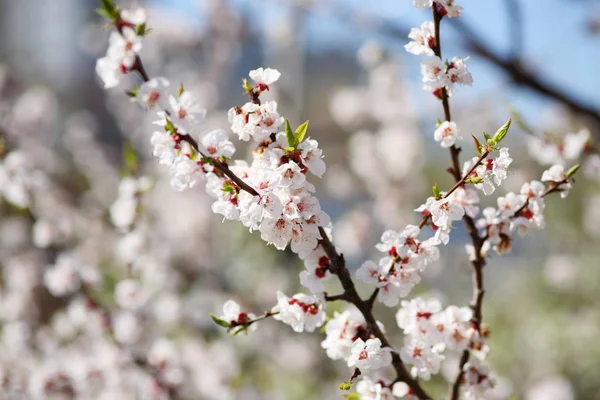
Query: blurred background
point(344, 67)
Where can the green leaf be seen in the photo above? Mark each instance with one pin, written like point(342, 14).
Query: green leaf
point(242, 329)
point(108, 4)
point(352, 396)
point(219, 321)
point(169, 127)
point(246, 85)
point(228, 188)
point(108, 9)
point(487, 138)
point(573, 170)
point(346, 385)
point(301, 132)
point(104, 13)
point(477, 145)
point(289, 135)
point(130, 158)
point(436, 191)
point(141, 30)
point(3, 148)
point(500, 133)
point(474, 179)
point(133, 92)
point(181, 90)
point(289, 148)
point(438, 122)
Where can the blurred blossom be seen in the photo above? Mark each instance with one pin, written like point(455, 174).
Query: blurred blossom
point(591, 216)
point(560, 271)
point(353, 233)
point(35, 111)
point(369, 54)
point(280, 33)
point(555, 387)
point(347, 107)
point(591, 167)
point(339, 182)
point(108, 275)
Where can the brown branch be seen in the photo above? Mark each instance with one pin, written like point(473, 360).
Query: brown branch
point(479, 262)
point(267, 314)
point(337, 297)
point(522, 76)
point(222, 167)
point(510, 64)
point(338, 265)
point(476, 303)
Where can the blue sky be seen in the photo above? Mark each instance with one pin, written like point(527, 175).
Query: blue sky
point(555, 38)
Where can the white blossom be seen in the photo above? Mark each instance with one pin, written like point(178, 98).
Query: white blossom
point(423, 39)
point(555, 175)
point(369, 355)
point(263, 77)
point(447, 134)
point(434, 73)
point(154, 93)
point(301, 312)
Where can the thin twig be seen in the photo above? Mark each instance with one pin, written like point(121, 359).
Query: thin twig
point(338, 267)
point(337, 297)
point(479, 262)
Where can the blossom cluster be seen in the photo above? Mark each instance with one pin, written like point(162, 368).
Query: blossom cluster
point(16, 179)
point(272, 194)
point(124, 47)
point(444, 7)
point(552, 149)
point(398, 272)
point(519, 212)
point(439, 77)
point(490, 173)
point(430, 331)
point(347, 339)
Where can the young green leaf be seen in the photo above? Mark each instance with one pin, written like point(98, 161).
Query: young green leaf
point(436, 191)
point(477, 145)
point(3, 148)
point(133, 92)
point(487, 138)
point(141, 30)
point(346, 385)
point(181, 90)
point(247, 86)
point(500, 133)
point(474, 179)
point(130, 159)
point(219, 321)
point(573, 170)
point(169, 127)
point(104, 13)
point(240, 330)
point(289, 135)
point(301, 132)
point(108, 4)
point(108, 9)
point(352, 396)
point(227, 188)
